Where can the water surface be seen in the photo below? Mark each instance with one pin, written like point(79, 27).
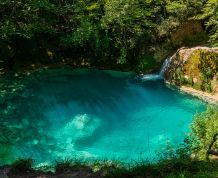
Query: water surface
point(90, 114)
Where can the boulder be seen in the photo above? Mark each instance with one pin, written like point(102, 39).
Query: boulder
point(196, 67)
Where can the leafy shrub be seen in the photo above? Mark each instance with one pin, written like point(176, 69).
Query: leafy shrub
point(204, 127)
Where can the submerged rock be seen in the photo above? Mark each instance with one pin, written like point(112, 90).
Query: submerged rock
point(83, 125)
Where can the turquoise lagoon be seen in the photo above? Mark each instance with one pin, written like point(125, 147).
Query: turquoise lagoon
point(91, 114)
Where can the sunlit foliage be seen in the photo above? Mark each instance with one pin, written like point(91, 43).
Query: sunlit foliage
point(204, 127)
point(112, 30)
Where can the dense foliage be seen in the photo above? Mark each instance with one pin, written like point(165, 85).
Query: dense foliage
point(204, 127)
point(96, 32)
point(180, 167)
point(210, 12)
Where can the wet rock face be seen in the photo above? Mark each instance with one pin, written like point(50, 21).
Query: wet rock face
point(196, 67)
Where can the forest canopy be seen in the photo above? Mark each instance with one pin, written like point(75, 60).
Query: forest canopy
point(118, 31)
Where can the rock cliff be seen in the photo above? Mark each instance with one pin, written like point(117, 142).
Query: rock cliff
point(196, 68)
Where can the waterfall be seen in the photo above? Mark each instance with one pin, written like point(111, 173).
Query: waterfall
point(158, 76)
point(165, 66)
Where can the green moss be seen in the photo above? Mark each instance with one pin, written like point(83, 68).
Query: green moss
point(191, 66)
point(208, 67)
point(198, 71)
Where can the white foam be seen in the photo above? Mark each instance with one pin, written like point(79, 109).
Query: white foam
point(151, 77)
point(160, 75)
point(165, 66)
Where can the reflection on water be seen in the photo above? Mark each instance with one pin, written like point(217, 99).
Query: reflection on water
point(90, 114)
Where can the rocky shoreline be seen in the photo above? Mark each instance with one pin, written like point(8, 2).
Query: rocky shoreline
point(209, 98)
point(204, 96)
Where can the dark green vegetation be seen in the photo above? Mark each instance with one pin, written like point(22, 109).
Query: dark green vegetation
point(185, 162)
point(172, 168)
point(131, 34)
point(176, 165)
point(22, 165)
point(204, 127)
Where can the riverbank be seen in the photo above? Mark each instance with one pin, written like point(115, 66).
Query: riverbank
point(174, 167)
point(210, 98)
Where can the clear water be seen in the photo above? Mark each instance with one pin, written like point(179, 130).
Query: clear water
point(90, 114)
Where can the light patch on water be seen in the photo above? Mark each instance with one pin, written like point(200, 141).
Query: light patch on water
point(81, 125)
point(160, 139)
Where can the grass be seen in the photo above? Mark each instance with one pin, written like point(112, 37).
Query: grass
point(22, 166)
point(69, 164)
point(178, 167)
point(169, 169)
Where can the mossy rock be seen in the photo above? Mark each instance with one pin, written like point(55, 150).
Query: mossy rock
point(194, 67)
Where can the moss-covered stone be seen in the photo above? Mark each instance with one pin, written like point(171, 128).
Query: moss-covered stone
point(196, 67)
